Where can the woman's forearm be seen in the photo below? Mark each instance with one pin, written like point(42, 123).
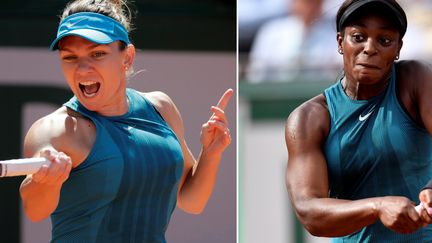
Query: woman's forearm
point(328, 217)
point(199, 184)
point(39, 200)
point(334, 217)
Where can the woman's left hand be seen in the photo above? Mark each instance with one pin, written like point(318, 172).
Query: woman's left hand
point(215, 134)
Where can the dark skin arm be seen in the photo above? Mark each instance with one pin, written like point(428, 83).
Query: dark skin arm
point(415, 90)
point(307, 182)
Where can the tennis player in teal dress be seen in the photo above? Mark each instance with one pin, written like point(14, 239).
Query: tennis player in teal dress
point(119, 160)
point(360, 154)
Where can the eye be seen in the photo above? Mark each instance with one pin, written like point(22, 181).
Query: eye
point(98, 54)
point(68, 58)
point(357, 37)
point(385, 41)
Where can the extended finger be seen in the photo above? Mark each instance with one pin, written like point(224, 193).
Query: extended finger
point(223, 101)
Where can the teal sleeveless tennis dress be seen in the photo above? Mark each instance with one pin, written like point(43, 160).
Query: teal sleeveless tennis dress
point(375, 149)
point(125, 190)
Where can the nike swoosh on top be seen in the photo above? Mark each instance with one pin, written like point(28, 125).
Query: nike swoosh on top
point(362, 118)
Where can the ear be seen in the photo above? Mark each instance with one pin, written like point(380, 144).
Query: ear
point(400, 47)
point(339, 39)
point(129, 56)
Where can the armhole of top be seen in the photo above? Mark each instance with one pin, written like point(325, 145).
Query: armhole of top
point(149, 103)
point(70, 111)
point(74, 111)
point(161, 118)
point(401, 105)
point(327, 99)
point(330, 116)
point(157, 112)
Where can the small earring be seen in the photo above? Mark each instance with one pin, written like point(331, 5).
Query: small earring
point(340, 51)
point(397, 57)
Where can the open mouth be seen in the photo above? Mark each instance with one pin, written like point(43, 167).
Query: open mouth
point(89, 88)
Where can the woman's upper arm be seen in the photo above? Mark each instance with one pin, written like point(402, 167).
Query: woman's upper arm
point(423, 89)
point(61, 132)
point(38, 137)
point(305, 133)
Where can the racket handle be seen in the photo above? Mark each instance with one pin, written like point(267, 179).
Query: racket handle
point(20, 167)
point(420, 207)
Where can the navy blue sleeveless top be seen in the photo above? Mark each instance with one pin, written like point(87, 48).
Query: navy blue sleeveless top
point(375, 149)
point(126, 189)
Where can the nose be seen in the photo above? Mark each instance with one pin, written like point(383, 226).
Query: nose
point(370, 47)
point(84, 66)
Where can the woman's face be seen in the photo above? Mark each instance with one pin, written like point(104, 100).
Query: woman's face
point(370, 46)
point(95, 73)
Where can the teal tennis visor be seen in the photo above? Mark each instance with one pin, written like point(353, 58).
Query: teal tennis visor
point(94, 27)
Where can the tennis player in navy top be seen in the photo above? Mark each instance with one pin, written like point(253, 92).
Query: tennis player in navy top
point(360, 153)
point(119, 160)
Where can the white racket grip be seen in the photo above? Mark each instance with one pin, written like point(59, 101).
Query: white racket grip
point(19, 167)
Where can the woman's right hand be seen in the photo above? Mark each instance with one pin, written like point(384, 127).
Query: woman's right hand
point(57, 171)
point(399, 214)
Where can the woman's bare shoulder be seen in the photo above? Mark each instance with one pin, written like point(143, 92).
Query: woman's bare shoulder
point(409, 71)
point(168, 110)
point(314, 108)
point(64, 130)
point(310, 118)
point(159, 99)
